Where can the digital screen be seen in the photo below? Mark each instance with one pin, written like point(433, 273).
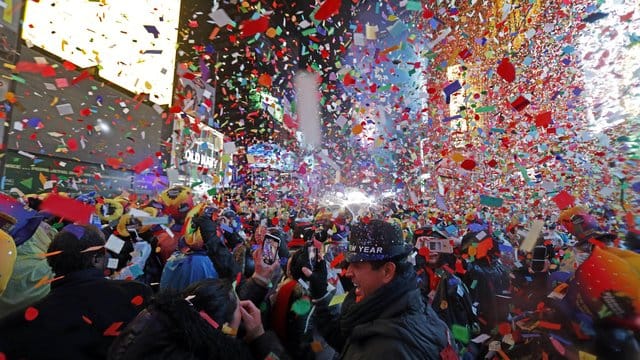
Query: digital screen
point(133, 43)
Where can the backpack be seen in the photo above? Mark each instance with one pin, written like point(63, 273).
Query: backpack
point(453, 303)
point(489, 286)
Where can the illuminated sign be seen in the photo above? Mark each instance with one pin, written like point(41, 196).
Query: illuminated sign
point(202, 159)
point(133, 43)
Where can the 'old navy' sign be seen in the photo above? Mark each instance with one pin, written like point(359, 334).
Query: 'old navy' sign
point(200, 159)
point(365, 249)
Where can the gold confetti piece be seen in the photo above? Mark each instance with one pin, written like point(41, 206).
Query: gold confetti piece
point(92, 248)
point(54, 101)
point(44, 255)
point(45, 281)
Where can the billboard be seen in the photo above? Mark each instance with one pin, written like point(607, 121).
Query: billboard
point(132, 43)
point(29, 174)
point(69, 115)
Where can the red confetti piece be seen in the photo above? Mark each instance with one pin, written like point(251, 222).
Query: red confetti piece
point(348, 80)
point(543, 119)
point(563, 200)
point(31, 313)
point(506, 70)
point(468, 164)
point(87, 320)
point(337, 260)
point(290, 122)
point(114, 162)
point(504, 328)
point(85, 112)
point(459, 267)
point(252, 27)
point(72, 144)
point(143, 165)
point(327, 9)
point(265, 80)
point(137, 300)
point(68, 208)
point(464, 54)
point(627, 16)
point(520, 103)
point(112, 330)
point(69, 65)
point(549, 325)
point(209, 319)
point(83, 76)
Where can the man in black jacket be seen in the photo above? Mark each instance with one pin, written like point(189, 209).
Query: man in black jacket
point(384, 317)
point(84, 311)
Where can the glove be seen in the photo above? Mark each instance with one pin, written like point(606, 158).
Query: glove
point(232, 239)
point(208, 230)
point(318, 280)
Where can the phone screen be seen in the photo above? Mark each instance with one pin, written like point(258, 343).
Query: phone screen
point(270, 247)
point(539, 253)
point(539, 257)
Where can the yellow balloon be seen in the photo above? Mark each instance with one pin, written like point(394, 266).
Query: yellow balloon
point(8, 255)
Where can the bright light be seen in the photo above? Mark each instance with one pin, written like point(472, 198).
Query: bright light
point(388, 194)
point(357, 197)
point(133, 43)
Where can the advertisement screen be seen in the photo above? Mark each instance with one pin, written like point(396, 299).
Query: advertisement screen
point(132, 43)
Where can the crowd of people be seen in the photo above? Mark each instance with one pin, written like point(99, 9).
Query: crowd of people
point(236, 277)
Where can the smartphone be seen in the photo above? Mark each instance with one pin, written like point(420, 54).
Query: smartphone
point(439, 246)
point(270, 246)
point(539, 258)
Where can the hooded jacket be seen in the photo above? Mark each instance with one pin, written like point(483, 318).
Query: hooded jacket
point(171, 329)
point(77, 320)
point(393, 323)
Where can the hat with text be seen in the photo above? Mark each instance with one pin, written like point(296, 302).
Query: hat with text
point(376, 240)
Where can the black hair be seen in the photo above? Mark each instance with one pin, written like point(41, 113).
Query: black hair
point(73, 256)
point(215, 296)
point(192, 332)
point(299, 259)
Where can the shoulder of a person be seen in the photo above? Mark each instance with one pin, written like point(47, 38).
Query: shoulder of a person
point(137, 287)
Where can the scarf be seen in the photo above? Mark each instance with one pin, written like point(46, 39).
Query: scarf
point(370, 308)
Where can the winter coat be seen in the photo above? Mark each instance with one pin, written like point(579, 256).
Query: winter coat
point(393, 323)
point(77, 320)
point(29, 268)
point(171, 329)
